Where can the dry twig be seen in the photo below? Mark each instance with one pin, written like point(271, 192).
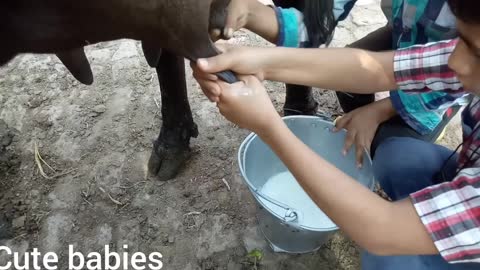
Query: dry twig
point(40, 162)
point(117, 202)
point(226, 183)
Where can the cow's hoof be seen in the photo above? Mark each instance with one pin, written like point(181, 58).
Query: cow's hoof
point(166, 160)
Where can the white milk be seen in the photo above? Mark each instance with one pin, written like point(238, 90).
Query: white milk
point(285, 189)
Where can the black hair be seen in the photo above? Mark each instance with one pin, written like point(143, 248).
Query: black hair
point(466, 10)
point(318, 18)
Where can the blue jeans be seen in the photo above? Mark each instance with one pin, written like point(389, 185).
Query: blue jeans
point(403, 166)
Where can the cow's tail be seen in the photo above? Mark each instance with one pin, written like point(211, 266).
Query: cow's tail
point(319, 20)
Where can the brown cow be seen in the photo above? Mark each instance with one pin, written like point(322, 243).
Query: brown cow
point(179, 27)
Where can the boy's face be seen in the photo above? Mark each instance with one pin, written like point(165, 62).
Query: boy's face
point(465, 60)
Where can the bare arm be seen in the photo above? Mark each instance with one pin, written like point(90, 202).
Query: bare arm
point(350, 70)
point(263, 21)
point(377, 225)
point(345, 69)
point(362, 125)
point(250, 14)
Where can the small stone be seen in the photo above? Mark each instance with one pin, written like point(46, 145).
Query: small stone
point(99, 109)
point(171, 239)
point(165, 238)
point(41, 136)
point(34, 102)
point(34, 193)
point(211, 138)
point(148, 77)
point(19, 222)
point(43, 120)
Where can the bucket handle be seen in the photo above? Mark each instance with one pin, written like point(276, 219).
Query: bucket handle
point(291, 215)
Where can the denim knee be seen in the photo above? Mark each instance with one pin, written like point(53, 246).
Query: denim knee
point(389, 154)
point(405, 165)
point(390, 163)
point(428, 262)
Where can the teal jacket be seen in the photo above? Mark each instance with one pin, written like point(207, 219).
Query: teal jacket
point(420, 22)
point(414, 22)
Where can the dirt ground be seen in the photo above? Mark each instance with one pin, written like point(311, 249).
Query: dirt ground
point(96, 140)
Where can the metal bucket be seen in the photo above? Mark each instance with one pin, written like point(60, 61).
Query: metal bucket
point(286, 227)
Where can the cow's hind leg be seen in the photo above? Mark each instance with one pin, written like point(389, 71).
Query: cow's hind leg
point(171, 149)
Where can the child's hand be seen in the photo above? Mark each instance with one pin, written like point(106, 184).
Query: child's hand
point(241, 60)
point(237, 17)
point(253, 15)
point(361, 125)
point(248, 105)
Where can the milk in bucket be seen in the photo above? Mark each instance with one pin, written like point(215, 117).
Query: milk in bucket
point(284, 188)
point(288, 219)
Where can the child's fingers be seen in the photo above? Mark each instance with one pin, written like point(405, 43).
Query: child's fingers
point(228, 32)
point(217, 63)
point(215, 34)
point(199, 74)
point(223, 47)
point(341, 122)
point(202, 76)
point(232, 18)
point(359, 155)
point(211, 89)
point(349, 141)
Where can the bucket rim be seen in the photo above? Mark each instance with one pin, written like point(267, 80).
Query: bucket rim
point(257, 194)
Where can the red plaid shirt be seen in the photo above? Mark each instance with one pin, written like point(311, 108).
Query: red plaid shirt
point(450, 211)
